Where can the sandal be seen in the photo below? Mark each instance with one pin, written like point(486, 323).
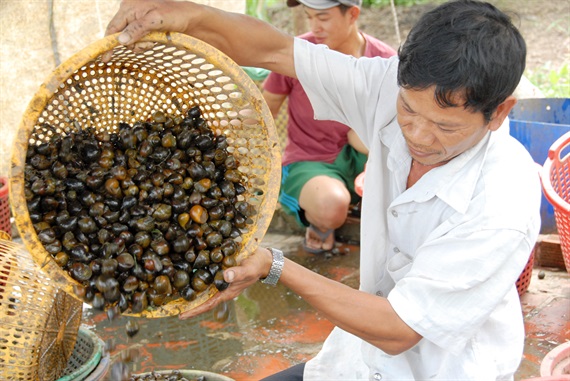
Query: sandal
point(322, 235)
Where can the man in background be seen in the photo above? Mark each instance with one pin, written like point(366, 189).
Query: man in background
point(322, 158)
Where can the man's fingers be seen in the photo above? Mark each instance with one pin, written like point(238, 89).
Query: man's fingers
point(205, 307)
point(138, 25)
point(140, 47)
point(106, 57)
point(118, 22)
point(228, 294)
point(137, 47)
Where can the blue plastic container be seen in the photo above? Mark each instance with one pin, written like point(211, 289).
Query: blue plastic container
point(537, 124)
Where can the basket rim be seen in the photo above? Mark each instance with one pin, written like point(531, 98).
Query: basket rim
point(554, 157)
point(4, 184)
point(45, 93)
point(553, 358)
point(93, 360)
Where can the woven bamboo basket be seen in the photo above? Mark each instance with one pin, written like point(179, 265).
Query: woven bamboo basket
point(39, 322)
point(176, 74)
point(88, 358)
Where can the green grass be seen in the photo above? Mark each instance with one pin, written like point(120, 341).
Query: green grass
point(554, 83)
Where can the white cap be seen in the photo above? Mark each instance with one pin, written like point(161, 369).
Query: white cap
point(324, 4)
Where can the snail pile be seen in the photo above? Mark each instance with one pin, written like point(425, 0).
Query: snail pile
point(141, 216)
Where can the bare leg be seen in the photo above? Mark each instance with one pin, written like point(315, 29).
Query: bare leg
point(325, 201)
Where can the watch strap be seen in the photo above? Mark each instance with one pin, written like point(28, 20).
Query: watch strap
point(276, 267)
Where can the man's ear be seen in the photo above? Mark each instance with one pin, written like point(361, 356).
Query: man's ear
point(502, 112)
point(354, 13)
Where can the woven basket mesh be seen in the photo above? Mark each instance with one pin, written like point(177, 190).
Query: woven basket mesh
point(523, 282)
point(85, 356)
point(281, 119)
point(178, 73)
point(39, 321)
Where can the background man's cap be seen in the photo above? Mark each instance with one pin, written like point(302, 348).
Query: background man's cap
point(324, 4)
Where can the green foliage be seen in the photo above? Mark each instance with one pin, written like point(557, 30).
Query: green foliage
point(554, 83)
point(255, 8)
point(258, 8)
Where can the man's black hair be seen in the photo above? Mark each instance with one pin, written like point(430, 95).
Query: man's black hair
point(467, 47)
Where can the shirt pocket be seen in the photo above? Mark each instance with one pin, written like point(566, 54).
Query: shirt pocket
point(399, 265)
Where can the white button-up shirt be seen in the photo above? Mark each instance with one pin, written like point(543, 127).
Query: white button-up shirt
point(445, 252)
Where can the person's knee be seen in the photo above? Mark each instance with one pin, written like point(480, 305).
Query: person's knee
point(328, 208)
point(334, 211)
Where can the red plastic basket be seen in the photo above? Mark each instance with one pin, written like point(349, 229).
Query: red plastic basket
point(523, 282)
point(555, 178)
point(5, 225)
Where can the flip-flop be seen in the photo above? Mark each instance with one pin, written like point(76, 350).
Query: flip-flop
point(322, 235)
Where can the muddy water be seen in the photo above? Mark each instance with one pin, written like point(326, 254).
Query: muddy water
point(264, 330)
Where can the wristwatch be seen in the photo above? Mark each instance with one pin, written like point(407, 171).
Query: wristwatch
point(276, 267)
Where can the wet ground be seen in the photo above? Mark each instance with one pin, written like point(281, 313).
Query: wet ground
point(546, 309)
point(264, 330)
point(269, 329)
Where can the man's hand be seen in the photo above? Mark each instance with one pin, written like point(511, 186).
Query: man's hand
point(239, 277)
point(136, 18)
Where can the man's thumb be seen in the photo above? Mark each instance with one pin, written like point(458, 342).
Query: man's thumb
point(229, 276)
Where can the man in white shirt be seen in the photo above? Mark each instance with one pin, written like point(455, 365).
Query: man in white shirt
point(451, 208)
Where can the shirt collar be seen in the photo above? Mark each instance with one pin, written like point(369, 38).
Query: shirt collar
point(454, 183)
point(398, 154)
